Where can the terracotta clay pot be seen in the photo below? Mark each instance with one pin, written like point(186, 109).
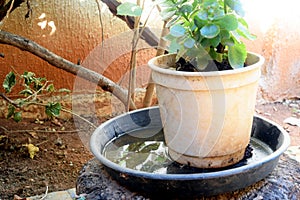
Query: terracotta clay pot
point(207, 116)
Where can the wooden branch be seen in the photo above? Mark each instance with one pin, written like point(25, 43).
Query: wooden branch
point(147, 34)
point(2, 95)
point(61, 63)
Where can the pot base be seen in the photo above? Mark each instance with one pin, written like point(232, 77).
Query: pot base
point(207, 162)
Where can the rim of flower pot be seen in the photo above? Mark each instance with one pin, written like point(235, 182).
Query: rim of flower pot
point(153, 66)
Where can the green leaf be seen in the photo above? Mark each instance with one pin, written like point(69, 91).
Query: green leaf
point(211, 42)
point(199, 55)
point(28, 77)
point(26, 92)
point(129, 9)
point(17, 116)
point(165, 3)
point(228, 42)
point(235, 5)
point(167, 13)
point(136, 147)
point(20, 102)
point(219, 57)
point(224, 34)
point(171, 22)
point(150, 147)
point(202, 62)
point(169, 37)
point(237, 55)
point(199, 22)
point(189, 43)
point(174, 47)
point(64, 90)
point(215, 41)
point(186, 8)
point(213, 53)
point(228, 22)
point(210, 3)
point(243, 31)
point(53, 109)
point(50, 88)
point(210, 31)
point(11, 111)
point(177, 30)
point(218, 13)
point(38, 83)
point(9, 82)
point(202, 14)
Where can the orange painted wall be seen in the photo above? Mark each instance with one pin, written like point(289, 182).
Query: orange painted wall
point(72, 30)
point(277, 26)
point(78, 36)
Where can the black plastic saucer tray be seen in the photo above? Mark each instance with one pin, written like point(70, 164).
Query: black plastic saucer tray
point(186, 184)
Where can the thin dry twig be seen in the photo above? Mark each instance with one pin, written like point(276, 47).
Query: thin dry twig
point(35, 94)
point(40, 143)
point(40, 131)
point(132, 74)
point(10, 8)
point(101, 24)
point(8, 99)
point(46, 193)
point(41, 104)
point(71, 112)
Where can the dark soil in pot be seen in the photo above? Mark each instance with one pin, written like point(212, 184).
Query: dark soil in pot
point(183, 65)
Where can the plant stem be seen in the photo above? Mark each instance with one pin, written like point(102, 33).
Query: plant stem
point(9, 100)
point(71, 112)
point(101, 23)
point(132, 75)
point(225, 8)
point(35, 94)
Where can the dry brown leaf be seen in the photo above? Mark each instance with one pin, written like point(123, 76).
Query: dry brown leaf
point(16, 197)
point(33, 134)
point(56, 122)
point(2, 137)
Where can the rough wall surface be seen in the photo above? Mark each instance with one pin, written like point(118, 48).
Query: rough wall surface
point(72, 30)
point(276, 25)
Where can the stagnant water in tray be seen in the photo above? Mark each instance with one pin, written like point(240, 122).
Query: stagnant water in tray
point(136, 150)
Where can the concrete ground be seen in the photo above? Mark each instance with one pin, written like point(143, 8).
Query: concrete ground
point(60, 195)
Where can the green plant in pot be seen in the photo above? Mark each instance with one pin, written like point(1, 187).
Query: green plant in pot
point(206, 86)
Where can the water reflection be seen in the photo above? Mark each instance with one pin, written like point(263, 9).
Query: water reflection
point(151, 154)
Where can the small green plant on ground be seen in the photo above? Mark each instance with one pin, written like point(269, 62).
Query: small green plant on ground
point(207, 27)
point(33, 88)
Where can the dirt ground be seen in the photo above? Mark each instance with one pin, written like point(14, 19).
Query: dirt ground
point(56, 165)
point(62, 154)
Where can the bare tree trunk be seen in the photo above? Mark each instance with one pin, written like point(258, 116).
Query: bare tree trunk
point(61, 63)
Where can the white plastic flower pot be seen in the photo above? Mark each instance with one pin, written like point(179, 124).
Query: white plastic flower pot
point(207, 116)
